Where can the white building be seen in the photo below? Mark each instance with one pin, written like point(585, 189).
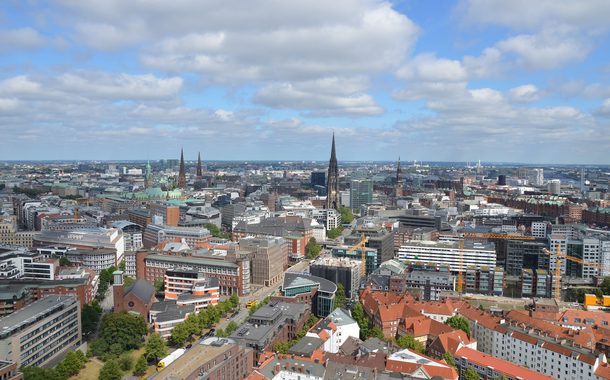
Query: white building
point(538, 177)
point(539, 229)
point(330, 218)
point(440, 253)
point(339, 326)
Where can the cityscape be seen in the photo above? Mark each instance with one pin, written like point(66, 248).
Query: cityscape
point(361, 189)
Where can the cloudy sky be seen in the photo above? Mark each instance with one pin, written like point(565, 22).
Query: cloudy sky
point(496, 80)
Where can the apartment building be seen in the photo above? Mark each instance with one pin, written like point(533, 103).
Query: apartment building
point(441, 253)
point(41, 332)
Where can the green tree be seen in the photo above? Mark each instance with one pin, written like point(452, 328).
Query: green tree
point(231, 327)
point(376, 332)
point(159, 284)
point(408, 341)
point(122, 265)
point(141, 366)
point(125, 362)
point(234, 299)
point(111, 371)
point(120, 332)
point(155, 348)
point(312, 249)
point(470, 374)
point(460, 323)
point(216, 232)
point(605, 286)
point(334, 233)
point(449, 359)
point(90, 317)
point(362, 320)
point(128, 281)
point(64, 261)
point(340, 298)
point(346, 215)
point(282, 347)
point(180, 334)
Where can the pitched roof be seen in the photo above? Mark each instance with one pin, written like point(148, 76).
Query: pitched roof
point(499, 365)
point(142, 289)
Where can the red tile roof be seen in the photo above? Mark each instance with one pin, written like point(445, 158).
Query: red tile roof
point(499, 365)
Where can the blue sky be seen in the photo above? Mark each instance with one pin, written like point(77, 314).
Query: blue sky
point(495, 80)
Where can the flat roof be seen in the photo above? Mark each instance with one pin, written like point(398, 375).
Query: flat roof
point(191, 260)
point(33, 312)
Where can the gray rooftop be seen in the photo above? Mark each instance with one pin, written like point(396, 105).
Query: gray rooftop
point(191, 260)
point(33, 312)
point(293, 365)
point(175, 313)
point(293, 280)
point(306, 346)
point(340, 317)
point(141, 289)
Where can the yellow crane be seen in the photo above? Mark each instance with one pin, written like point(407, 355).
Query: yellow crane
point(557, 275)
point(362, 246)
point(481, 235)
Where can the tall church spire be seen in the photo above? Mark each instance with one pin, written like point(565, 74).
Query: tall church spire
point(332, 184)
point(182, 173)
point(199, 169)
point(398, 188)
point(148, 180)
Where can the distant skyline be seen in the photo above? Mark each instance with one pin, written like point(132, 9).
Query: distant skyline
point(495, 80)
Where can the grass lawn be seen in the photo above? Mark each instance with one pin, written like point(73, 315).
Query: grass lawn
point(91, 371)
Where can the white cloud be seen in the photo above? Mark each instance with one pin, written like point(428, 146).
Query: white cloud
point(20, 38)
point(426, 67)
point(524, 93)
point(326, 97)
point(8, 104)
point(526, 14)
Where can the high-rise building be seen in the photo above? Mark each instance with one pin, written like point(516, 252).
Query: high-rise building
point(555, 186)
point(318, 179)
point(538, 177)
point(182, 173)
point(332, 184)
point(361, 193)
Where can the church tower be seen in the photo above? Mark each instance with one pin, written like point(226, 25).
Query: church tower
point(398, 188)
point(199, 169)
point(182, 173)
point(332, 184)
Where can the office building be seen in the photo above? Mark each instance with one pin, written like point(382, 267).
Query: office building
point(89, 239)
point(193, 236)
point(430, 283)
point(269, 258)
point(42, 332)
point(475, 254)
point(361, 193)
point(340, 271)
point(306, 289)
point(378, 238)
point(132, 234)
point(233, 276)
point(538, 177)
point(318, 179)
point(189, 287)
point(97, 260)
point(521, 254)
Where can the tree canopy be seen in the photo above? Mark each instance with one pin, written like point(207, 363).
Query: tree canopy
point(340, 298)
point(155, 348)
point(460, 323)
point(470, 374)
point(346, 215)
point(408, 341)
point(312, 249)
point(120, 332)
point(111, 371)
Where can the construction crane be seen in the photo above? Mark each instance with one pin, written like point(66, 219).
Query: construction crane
point(557, 275)
point(362, 246)
point(480, 235)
